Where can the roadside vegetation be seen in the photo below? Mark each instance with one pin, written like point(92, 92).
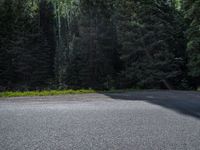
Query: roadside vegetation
point(44, 93)
point(60, 92)
point(101, 45)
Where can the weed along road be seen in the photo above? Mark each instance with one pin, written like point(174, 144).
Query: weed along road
point(145, 120)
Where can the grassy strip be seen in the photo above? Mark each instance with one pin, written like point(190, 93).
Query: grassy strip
point(60, 92)
point(45, 93)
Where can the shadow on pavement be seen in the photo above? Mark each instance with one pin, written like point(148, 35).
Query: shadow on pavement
point(184, 102)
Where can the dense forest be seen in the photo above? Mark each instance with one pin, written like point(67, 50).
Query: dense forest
point(99, 44)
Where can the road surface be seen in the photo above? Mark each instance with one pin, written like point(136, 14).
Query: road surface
point(146, 120)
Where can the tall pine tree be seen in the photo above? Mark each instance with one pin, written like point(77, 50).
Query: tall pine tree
point(192, 16)
point(153, 55)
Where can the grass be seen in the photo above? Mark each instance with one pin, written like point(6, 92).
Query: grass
point(44, 93)
point(59, 92)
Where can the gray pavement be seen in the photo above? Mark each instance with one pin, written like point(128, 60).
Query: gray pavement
point(147, 120)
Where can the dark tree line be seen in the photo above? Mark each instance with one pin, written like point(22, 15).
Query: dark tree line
point(99, 44)
point(27, 44)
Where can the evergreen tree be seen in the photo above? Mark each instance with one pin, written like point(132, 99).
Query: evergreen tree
point(192, 15)
point(26, 51)
point(152, 54)
point(46, 21)
point(97, 43)
point(128, 29)
point(6, 28)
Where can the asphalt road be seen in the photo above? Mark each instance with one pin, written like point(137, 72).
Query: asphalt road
point(148, 120)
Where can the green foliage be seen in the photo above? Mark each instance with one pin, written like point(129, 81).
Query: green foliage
point(27, 57)
point(192, 15)
point(99, 44)
point(93, 47)
point(45, 93)
point(151, 36)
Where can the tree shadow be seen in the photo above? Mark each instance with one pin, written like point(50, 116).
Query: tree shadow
point(187, 103)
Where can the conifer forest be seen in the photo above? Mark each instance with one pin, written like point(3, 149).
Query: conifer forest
point(99, 44)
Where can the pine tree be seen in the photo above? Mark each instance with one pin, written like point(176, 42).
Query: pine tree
point(192, 16)
point(94, 47)
point(46, 21)
point(9, 31)
point(128, 29)
point(152, 53)
point(27, 51)
point(5, 30)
